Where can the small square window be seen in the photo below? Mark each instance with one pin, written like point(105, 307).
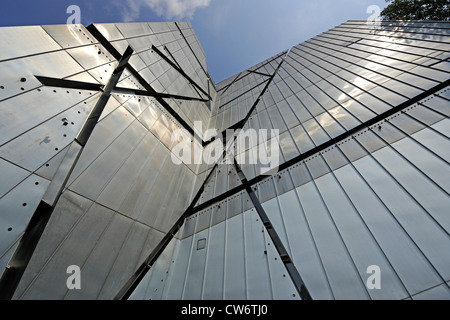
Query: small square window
point(201, 244)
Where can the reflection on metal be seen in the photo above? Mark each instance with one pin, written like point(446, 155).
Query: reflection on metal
point(284, 255)
point(61, 83)
point(363, 177)
point(179, 70)
point(25, 249)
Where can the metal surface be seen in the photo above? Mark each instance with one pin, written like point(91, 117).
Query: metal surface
point(362, 181)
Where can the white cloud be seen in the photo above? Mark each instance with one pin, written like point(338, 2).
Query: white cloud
point(170, 9)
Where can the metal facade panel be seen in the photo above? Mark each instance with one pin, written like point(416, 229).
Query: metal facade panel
point(16, 210)
point(195, 272)
point(24, 41)
point(432, 198)
point(70, 35)
point(11, 175)
point(377, 196)
point(93, 180)
point(74, 250)
point(97, 267)
point(361, 245)
point(69, 210)
point(331, 248)
point(257, 269)
point(234, 274)
point(24, 112)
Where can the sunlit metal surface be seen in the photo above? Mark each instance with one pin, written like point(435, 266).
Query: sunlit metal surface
point(364, 177)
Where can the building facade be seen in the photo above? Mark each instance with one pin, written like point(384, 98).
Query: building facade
point(94, 203)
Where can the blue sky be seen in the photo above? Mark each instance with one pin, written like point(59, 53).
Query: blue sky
point(236, 34)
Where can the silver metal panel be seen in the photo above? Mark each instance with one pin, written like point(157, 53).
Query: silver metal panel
point(300, 174)
point(137, 196)
point(234, 275)
point(334, 158)
point(195, 273)
point(283, 182)
point(103, 135)
point(276, 119)
point(70, 35)
point(163, 197)
point(342, 116)
point(344, 279)
point(92, 181)
point(434, 141)
point(303, 249)
point(282, 286)
point(16, 210)
point(406, 123)
point(430, 164)
point(179, 269)
point(221, 181)
point(410, 265)
point(103, 73)
point(74, 250)
point(61, 175)
point(48, 170)
point(213, 282)
point(118, 188)
point(302, 139)
point(234, 205)
point(361, 245)
point(266, 190)
point(159, 273)
point(11, 175)
point(96, 268)
point(425, 115)
point(128, 259)
point(23, 41)
point(109, 31)
point(370, 141)
point(315, 132)
point(141, 291)
point(91, 56)
point(430, 238)
point(56, 64)
point(329, 125)
point(219, 213)
point(24, 112)
point(317, 166)
point(34, 148)
point(257, 268)
point(359, 111)
point(426, 193)
point(351, 149)
point(441, 292)
point(388, 132)
point(288, 146)
point(233, 178)
point(299, 109)
point(203, 220)
point(6, 256)
point(129, 30)
point(442, 127)
point(272, 209)
point(68, 211)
